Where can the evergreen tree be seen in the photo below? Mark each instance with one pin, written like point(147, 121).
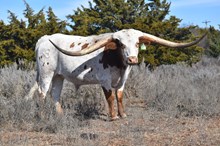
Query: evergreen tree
point(11, 42)
point(54, 25)
point(150, 17)
point(4, 43)
point(214, 43)
point(29, 14)
point(18, 38)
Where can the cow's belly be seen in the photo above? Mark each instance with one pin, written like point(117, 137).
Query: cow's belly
point(89, 72)
point(82, 77)
point(88, 69)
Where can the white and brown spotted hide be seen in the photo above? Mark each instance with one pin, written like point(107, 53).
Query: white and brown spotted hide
point(103, 59)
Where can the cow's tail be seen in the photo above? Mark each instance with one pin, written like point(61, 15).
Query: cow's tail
point(35, 87)
point(30, 94)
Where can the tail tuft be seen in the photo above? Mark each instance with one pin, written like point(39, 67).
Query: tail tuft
point(31, 92)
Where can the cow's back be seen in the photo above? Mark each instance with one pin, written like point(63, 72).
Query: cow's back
point(86, 69)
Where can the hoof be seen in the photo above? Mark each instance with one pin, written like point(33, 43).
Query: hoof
point(124, 116)
point(114, 118)
point(59, 109)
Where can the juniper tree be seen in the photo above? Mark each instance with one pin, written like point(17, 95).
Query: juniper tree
point(12, 41)
point(4, 58)
point(18, 38)
point(214, 43)
point(54, 25)
point(148, 16)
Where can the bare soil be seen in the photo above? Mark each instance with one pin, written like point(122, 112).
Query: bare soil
point(142, 127)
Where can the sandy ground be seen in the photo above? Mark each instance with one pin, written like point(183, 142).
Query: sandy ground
point(141, 127)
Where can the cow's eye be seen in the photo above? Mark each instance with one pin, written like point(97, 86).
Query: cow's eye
point(137, 45)
point(123, 46)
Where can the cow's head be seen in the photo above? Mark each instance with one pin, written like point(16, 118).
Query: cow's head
point(129, 41)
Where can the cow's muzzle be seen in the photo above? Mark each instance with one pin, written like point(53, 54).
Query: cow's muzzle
point(132, 60)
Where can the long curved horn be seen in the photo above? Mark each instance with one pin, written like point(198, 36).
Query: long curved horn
point(153, 39)
point(101, 43)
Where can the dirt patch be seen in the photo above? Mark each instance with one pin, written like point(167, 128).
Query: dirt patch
point(142, 128)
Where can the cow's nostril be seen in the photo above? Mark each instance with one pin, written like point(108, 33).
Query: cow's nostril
point(132, 60)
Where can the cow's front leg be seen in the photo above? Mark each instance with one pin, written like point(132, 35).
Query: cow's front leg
point(119, 97)
point(119, 91)
point(109, 95)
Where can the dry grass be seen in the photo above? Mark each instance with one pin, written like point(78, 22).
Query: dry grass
point(172, 105)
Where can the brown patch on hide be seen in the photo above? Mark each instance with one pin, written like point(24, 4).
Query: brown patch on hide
point(72, 45)
point(121, 112)
point(111, 45)
point(109, 95)
point(84, 46)
point(113, 57)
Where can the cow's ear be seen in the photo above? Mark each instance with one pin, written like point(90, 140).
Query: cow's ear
point(143, 40)
point(111, 46)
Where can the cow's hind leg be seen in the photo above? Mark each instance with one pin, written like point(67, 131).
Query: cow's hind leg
point(44, 85)
point(57, 85)
point(43, 82)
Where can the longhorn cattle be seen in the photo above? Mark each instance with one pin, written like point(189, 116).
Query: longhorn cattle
point(104, 59)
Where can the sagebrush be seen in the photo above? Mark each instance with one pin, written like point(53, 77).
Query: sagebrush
point(173, 90)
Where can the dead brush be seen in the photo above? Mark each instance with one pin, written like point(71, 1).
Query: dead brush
point(176, 90)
